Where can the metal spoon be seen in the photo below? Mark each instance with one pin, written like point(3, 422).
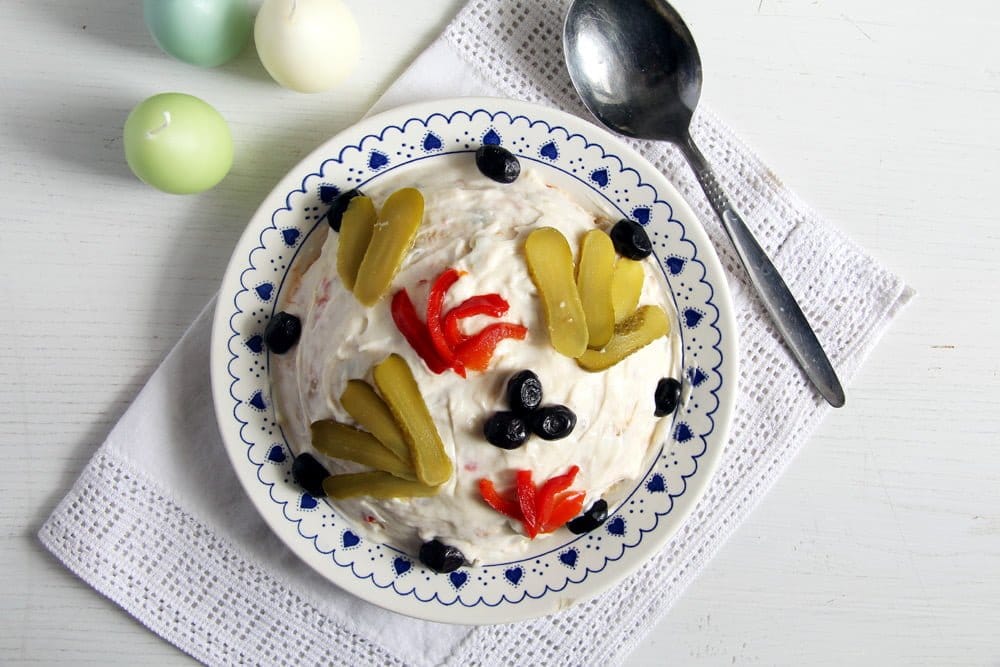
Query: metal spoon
point(636, 68)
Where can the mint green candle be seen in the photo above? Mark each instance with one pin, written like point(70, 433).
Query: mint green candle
point(178, 143)
point(200, 32)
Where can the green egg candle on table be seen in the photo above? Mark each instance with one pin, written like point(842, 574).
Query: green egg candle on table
point(200, 32)
point(178, 143)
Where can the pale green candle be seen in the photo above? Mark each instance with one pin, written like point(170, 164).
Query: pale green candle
point(178, 143)
point(200, 32)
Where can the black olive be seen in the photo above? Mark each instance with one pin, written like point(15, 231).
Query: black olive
point(630, 240)
point(505, 430)
point(591, 519)
point(309, 474)
point(498, 163)
point(335, 214)
point(282, 332)
point(524, 392)
point(667, 396)
point(440, 557)
point(552, 422)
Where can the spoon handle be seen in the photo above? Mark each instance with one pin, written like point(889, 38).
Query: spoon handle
point(777, 298)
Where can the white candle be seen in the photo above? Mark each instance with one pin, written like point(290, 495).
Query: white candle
point(307, 45)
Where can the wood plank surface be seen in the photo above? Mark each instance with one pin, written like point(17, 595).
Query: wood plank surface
point(881, 542)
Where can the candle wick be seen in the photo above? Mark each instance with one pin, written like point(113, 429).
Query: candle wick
point(291, 12)
point(156, 130)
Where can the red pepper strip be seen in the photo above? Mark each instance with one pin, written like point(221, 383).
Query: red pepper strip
point(476, 352)
point(498, 502)
point(547, 494)
point(526, 498)
point(415, 332)
point(493, 305)
point(567, 506)
point(435, 301)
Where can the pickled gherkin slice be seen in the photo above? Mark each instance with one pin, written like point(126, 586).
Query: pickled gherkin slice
point(626, 286)
point(631, 335)
point(356, 228)
point(373, 415)
point(395, 231)
point(375, 485)
point(594, 282)
point(341, 441)
point(399, 390)
point(550, 263)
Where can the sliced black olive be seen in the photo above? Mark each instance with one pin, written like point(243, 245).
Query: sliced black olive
point(440, 557)
point(309, 474)
point(335, 214)
point(667, 396)
point(591, 519)
point(630, 240)
point(505, 430)
point(552, 422)
point(524, 392)
point(498, 163)
point(282, 332)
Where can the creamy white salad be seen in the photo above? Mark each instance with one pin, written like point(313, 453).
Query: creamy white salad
point(477, 226)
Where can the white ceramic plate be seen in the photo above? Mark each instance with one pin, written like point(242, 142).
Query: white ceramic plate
point(587, 162)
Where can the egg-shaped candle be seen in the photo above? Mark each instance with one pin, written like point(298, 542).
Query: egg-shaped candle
point(307, 45)
point(178, 143)
point(200, 32)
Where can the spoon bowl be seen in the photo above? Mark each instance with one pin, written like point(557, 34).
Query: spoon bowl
point(635, 65)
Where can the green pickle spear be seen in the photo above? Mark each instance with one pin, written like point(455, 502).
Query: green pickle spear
point(626, 287)
point(395, 231)
point(631, 335)
point(341, 441)
point(356, 229)
point(373, 415)
point(374, 485)
point(399, 390)
point(594, 277)
point(550, 263)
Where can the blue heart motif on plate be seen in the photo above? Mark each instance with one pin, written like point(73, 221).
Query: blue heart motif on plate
point(377, 160)
point(458, 579)
point(656, 484)
point(401, 565)
point(617, 526)
point(307, 502)
point(255, 344)
point(600, 177)
point(549, 151)
point(290, 236)
point(569, 557)
point(327, 193)
point(349, 539)
point(257, 401)
point(641, 215)
point(697, 376)
point(432, 142)
point(683, 433)
point(491, 138)
point(675, 265)
point(513, 575)
point(264, 291)
point(277, 454)
point(692, 317)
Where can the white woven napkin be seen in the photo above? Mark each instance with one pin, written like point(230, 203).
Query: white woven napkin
point(158, 522)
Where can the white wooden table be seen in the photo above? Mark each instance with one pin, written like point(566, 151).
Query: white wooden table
point(881, 543)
